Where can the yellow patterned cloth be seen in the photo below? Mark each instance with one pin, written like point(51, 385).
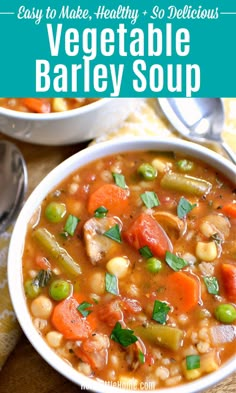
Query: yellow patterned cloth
point(145, 121)
point(9, 328)
point(148, 120)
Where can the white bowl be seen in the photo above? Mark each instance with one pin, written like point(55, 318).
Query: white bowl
point(18, 237)
point(63, 128)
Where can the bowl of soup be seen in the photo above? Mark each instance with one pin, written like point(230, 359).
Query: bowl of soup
point(62, 121)
point(122, 267)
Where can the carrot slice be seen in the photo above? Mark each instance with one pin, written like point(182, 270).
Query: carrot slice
point(37, 105)
point(68, 320)
point(229, 209)
point(145, 231)
point(228, 272)
point(183, 291)
point(114, 198)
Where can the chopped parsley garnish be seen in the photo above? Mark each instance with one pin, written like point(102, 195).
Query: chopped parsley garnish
point(113, 233)
point(184, 207)
point(71, 224)
point(150, 199)
point(141, 357)
point(212, 285)
point(111, 284)
point(174, 262)
point(192, 362)
point(42, 278)
point(160, 311)
point(145, 252)
point(83, 308)
point(119, 180)
point(100, 212)
point(124, 337)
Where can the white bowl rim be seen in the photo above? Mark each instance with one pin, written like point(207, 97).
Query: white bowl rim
point(15, 251)
point(53, 115)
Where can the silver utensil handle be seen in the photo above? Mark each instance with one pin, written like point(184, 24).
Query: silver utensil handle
point(229, 152)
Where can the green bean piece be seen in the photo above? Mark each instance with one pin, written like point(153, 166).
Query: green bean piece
point(185, 165)
point(161, 335)
point(31, 290)
point(48, 242)
point(184, 183)
point(147, 171)
point(225, 313)
point(55, 211)
point(59, 289)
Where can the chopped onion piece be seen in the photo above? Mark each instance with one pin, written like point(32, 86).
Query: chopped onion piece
point(223, 333)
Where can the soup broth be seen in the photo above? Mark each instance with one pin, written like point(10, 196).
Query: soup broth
point(44, 105)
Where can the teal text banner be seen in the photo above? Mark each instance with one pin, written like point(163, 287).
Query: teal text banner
point(112, 48)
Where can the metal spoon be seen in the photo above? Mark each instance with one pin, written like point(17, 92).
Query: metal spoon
point(13, 183)
point(198, 119)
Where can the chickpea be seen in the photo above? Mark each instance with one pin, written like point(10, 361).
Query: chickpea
point(41, 307)
point(96, 282)
point(118, 266)
point(206, 251)
point(54, 339)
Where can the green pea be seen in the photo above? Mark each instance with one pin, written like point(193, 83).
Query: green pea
point(55, 211)
point(185, 165)
point(225, 313)
point(153, 265)
point(31, 290)
point(147, 171)
point(59, 289)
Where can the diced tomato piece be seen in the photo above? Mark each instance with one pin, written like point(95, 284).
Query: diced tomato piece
point(228, 273)
point(118, 310)
point(94, 351)
point(145, 231)
point(111, 313)
point(42, 262)
point(131, 306)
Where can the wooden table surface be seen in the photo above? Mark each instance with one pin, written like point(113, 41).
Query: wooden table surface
point(25, 371)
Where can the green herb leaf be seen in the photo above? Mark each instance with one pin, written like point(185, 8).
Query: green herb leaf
point(216, 238)
point(212, 285)
point(71, 224)
point(175, 263)
point(145, 252)
point(100, 212)
point(83, 308)
point(192, 362)
point(160, 311)
point(184, 207)
point(111, 284)
point(113, 233)
point(141, 357)
point(42, 278)
point(124, 337)
point(150, 199)
point(119, 180)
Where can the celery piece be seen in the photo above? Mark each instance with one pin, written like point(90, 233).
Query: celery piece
point(161, 335)
point(184, 183)
point(48, 242)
